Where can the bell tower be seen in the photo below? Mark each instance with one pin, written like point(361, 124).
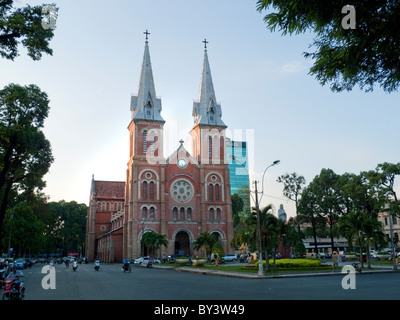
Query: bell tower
point(208, 132)
point(144, 173)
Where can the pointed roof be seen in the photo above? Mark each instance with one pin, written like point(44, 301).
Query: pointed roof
point(181, 153)
point(206, 110)
point(146, 105)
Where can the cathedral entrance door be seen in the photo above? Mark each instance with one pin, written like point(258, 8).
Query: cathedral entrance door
point(182, 243)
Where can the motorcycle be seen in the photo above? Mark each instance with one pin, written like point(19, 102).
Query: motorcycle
point(97, 265)
point(2, 275)
point(75, 265)
point(14, 290)
point(126, 267)
point(149, 264)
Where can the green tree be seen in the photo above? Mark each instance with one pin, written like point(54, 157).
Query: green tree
point(25, 153)
point(292, 186)
point(154, 241)
point(237, 208)
point(24, 25)
point(26, 232)
point(384, 176)
point(309, 212)
point(366, 55)
point(358, 226)
point(327, 195)
point(218, 250)
point(205, 241)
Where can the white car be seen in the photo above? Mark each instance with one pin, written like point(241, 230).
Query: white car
point(229, 257)
point(145, 260)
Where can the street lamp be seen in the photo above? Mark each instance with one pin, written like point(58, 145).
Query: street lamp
point(260, 261)
point(387, 207)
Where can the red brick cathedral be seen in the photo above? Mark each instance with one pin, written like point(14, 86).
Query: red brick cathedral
point(180, 196)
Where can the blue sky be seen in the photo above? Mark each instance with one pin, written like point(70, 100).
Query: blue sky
point(260, 78)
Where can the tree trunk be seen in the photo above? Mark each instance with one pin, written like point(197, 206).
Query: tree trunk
point(267, 267)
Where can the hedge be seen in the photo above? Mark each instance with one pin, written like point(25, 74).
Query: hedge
point(293, 263)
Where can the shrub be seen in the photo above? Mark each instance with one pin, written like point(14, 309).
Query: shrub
point(294, 263)
point(217, 248)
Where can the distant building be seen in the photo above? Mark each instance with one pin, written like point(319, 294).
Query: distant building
point(282, 213)
point(238, 163)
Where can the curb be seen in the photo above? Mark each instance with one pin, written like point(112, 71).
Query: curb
point(256, 276)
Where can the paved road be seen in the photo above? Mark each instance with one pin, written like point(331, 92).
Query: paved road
point(110, 283)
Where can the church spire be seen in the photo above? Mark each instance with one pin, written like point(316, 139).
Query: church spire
point(146, 105)
point(206, 110)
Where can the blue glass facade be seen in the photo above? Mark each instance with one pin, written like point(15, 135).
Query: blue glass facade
point(237, 157)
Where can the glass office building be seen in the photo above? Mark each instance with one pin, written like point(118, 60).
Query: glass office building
point(236, 152)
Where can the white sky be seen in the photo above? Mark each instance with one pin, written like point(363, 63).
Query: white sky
point(260, 78)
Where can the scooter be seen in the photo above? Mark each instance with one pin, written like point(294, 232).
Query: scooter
point(12, 290)
point(97, 265)
point(149, 264)
point(126, 267)
point(75, 265)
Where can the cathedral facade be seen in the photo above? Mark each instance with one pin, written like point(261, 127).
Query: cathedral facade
point(179, 196)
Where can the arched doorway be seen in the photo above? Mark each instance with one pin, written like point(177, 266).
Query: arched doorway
point(182, 243)
point(217, 236)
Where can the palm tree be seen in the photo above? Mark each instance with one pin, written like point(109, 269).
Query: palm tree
point(268, 226)
point(153, 241)
point(206, 241)
point(358, 226)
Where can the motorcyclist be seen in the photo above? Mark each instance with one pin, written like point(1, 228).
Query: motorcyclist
point(126, 263)
point(16, 275)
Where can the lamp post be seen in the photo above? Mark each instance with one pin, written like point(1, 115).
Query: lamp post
point(391, 233)
point(260, 261)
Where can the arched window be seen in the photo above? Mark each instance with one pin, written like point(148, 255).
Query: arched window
point(144, 196)
point(152, 210)
point(103, 206)
point(182, 213)
point(209, 147)
point(216, 146)
point(152, 142)
point(144, 213)
point(151, 190)
point(211, 214)
point(144, 141)
point(210, 192)
point(217, 192)
point(222, 148)
point(175, 213)
point(189, 214)
point(218, 214)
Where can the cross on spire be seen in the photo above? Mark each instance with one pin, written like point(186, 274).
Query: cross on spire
point(205, 43)
point(181, 142)
point(146, 33)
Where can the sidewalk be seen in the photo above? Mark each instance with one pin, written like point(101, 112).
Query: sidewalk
point(219, 272)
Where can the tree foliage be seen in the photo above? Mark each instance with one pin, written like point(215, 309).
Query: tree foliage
point(25, 153)
point(205, 241)
point(364, 56)
point(23, 26)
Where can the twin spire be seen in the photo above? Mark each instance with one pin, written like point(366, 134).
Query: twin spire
point(206, 111)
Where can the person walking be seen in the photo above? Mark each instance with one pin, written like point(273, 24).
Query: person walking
point(335, 261)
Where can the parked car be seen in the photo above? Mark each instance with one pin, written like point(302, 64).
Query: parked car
point(145, 260)
point(229, 257)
